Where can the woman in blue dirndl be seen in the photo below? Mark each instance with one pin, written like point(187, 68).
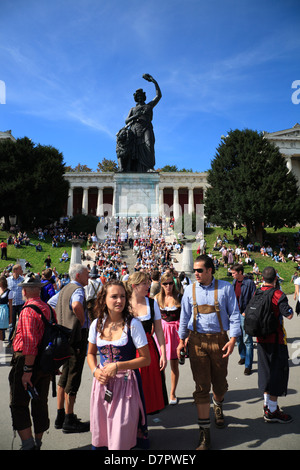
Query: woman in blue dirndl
point(6, 297)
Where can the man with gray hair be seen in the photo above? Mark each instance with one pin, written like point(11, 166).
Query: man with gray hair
point(71, 311)
point(13, 284)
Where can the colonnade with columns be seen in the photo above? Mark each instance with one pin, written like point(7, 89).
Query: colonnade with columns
point(94, 193)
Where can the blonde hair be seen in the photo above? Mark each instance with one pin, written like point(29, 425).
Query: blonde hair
point(160, 297)
point(16, 267)
point(135, 279)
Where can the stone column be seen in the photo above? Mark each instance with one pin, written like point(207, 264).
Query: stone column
point(161, 201)
point(176, 211)
point(99, 211)
point(187, 257)
point(113, 209)
point(76, 251)
point(70, 203)
point(191, 200)
point(85, 201)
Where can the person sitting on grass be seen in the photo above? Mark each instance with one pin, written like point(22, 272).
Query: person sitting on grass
point(64, 257)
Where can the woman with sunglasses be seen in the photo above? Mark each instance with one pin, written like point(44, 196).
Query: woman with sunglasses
point(168, 300)
point(147, 311)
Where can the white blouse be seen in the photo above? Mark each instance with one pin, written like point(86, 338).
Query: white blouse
point(137, 333)
point(157, 314)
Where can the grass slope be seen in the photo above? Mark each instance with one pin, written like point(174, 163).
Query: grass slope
point(36, 259)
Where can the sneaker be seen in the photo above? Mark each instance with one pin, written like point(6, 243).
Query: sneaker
point(247, 371)
point(204, 440)
point(241, 362)
point(73, 424)
point(277, 416)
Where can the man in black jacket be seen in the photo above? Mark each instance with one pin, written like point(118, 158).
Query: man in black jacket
point(244, 289)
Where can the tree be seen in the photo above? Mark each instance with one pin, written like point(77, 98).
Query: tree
point(173, 168)
point(251, 185)
point(81, 168)
point(32, 185)
point(83, 223)
point(169, 168)
point(107, 166)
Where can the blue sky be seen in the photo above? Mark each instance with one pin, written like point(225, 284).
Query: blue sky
point(70, 68)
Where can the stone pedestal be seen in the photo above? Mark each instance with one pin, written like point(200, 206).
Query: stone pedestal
point(187, 256)
point(76, 251)
point(136, 194)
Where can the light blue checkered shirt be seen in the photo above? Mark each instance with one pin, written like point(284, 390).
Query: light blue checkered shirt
point(209, 323)
point(12, 284)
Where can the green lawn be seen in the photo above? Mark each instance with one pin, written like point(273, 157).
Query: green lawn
point(285, 270)
point(36, 259)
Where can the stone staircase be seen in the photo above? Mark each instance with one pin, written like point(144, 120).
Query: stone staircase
point(127, 256)
point(130, 259)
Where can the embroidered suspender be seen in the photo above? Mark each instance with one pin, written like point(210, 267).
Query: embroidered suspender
point(205, 308)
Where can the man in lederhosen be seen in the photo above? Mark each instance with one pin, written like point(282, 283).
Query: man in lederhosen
point(209, 309)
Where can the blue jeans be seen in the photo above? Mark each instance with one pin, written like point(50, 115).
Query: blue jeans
point(245, 346)
point(15, 314)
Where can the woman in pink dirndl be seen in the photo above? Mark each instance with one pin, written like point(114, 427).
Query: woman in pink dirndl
point(169, 302)
point(117, 411)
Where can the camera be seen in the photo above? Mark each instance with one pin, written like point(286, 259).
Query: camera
point(182, 357)
point(32, 392)
point(108, 396)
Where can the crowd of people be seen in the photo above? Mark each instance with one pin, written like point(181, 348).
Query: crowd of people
point(138, 320)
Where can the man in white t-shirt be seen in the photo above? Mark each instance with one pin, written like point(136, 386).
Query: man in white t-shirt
point(125, 274)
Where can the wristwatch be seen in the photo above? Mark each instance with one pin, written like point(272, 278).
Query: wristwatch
point(27, 368)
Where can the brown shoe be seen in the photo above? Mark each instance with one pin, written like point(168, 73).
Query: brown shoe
point(204, 440)
point(219, 417)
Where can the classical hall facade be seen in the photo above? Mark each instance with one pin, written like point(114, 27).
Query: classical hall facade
point(170, 194)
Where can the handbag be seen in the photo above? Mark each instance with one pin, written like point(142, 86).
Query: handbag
point(297, 309)
point(4, 316)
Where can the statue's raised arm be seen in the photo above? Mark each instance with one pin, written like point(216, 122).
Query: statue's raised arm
point(158, 96)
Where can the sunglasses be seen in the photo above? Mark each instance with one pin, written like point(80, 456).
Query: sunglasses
point(168, 283)
point(200, 270)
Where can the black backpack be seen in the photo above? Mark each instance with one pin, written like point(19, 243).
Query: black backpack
point(259, 316)
point(55, 348)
